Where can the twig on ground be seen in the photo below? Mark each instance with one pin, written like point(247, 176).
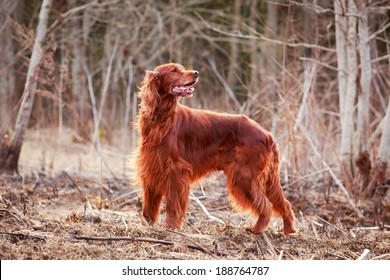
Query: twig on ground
point(105, 187)
point(196, 243)
point(365, 253)
point(304, 225)
point(367, 228)
point(140, 239)
point(73, 182)
point(107, 211)
point(12, 214)
point(205, 211)
point(317, 223)
point(84, 197)
point(333, 226)
point(24, 235)
point(18, 214)
point(314, 230)
point(258, 248)
point(266, 239)
point(129, 202)
point(381, 256)
point(200, 235)
point(124, 195)
point(280, 255)
point(126, 226)
point(38, 177)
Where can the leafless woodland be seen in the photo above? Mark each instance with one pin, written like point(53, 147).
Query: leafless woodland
point(314, 73)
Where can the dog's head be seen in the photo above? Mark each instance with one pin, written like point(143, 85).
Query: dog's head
point(173, 79)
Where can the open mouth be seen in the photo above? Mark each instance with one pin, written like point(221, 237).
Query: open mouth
point(184, 90)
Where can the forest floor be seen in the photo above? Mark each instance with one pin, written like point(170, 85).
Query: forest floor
point(82, 213)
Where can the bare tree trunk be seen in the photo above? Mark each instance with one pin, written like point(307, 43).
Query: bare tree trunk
point(362, 158)
point(9, 154)
point(63, 72)
point(254, 86)
point(78, 79)
point(93, 100)
point(341, 44)
point(269, 52)
point(7, 73)
point(105, 91)
point(231, 77)
point(172, 34)
point(346, 45)
point(125, 133)
point(378, 174)
point(114, 96)
point(271, 30)
point(384, 146)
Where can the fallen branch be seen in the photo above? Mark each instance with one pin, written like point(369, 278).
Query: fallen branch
point(272, 249)
point(84, 197)
point(367, 228)
point(19, 215)
point(333, 226)
point(381, 256)
point(141, 239)
point(205, 211)
point(24, 235)
point(337, 180)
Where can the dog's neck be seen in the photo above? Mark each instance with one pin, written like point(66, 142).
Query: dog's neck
point(161, 117)
point(165, 109)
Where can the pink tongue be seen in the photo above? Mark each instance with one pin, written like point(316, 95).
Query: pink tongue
point(182, 90)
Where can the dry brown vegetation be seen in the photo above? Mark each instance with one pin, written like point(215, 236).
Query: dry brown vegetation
point(54, 214)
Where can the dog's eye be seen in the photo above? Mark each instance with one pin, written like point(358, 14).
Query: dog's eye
point(173, 70)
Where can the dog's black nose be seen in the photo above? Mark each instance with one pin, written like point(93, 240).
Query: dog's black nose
point(195, 73)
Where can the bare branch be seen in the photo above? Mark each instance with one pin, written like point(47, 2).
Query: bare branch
point(326, 65)
point(205, 211)
point(337, 180)
point(228, 90)
point(140, 239)
point(259, 36)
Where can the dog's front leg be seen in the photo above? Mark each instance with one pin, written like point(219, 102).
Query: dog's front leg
point(177, 199)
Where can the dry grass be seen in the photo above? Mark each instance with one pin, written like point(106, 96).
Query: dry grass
point(43, 216)
point(55, 215)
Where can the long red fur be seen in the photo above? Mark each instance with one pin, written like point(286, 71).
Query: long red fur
point(179, 145)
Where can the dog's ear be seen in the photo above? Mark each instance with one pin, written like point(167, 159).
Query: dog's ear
point(152, 75)
point(149, 92)
point(152, 79)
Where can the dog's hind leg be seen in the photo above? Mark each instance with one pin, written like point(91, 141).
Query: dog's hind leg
point(245, 190)
point(281, 206)
point(275, 194)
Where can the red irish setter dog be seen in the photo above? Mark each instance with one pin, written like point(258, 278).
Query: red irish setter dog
point(179, 145)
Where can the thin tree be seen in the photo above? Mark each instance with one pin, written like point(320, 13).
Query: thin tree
point(9, 152)
point(347, 75)
point(362, 159)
